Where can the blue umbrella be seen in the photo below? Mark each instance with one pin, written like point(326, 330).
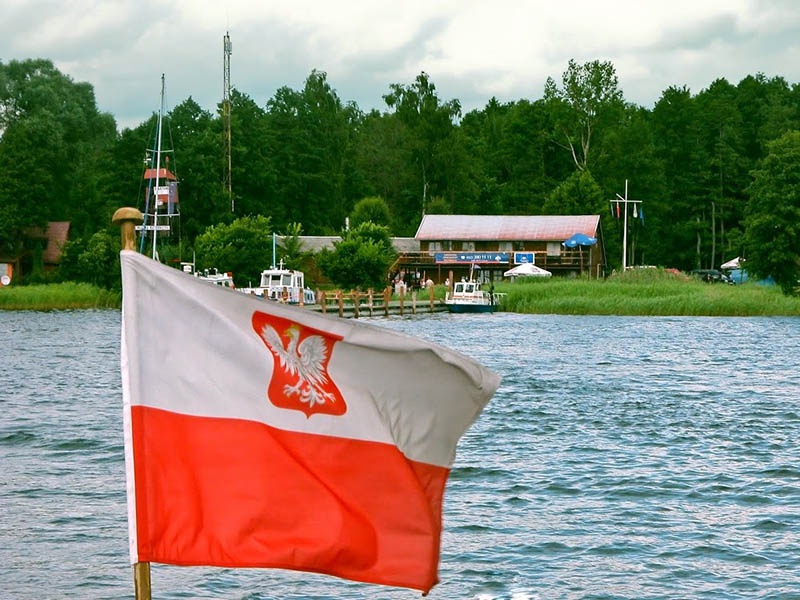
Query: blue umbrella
point(579, 239)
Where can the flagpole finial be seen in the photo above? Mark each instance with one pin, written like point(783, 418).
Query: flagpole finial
point(127, 218)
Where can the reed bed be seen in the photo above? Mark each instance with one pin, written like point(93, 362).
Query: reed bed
point(635, 293)
point(58, 296)
point(646, 296)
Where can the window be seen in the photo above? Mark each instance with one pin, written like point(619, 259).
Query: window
point(553, 249)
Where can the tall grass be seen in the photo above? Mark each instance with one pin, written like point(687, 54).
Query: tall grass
point(656, 293)
point(644, 292)
point(58, 296)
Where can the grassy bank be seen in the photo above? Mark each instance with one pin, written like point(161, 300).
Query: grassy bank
point(644, 293)
point(58, 296)
point(647, 294)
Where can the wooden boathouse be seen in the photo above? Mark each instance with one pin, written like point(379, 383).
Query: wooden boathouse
point(495, 243)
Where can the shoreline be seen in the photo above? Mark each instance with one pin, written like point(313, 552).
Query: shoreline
point(565, 297)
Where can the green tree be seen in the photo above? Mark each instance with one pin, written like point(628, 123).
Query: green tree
point(518, 165)
point(381, 160)
point(53, 148)
point(361, 259)
point(434, 150)
point(727, 169)
point(253, 165)
point(29, 154)
point(99, 262)
point(588, 100)
point(578, 195)
point(243, 247)
point(94, 261)
point(193, 138)
point(439, 206)
point(773, 215)
point(631, 155)
point(371, 208)
point(678, 216)
point(308, 137)
point(291, 247)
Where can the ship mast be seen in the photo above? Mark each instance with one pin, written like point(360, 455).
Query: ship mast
point(158, 168)
point(226, 113)
point(162, 188)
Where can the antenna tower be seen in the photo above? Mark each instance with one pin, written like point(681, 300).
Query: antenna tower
point(226, 114)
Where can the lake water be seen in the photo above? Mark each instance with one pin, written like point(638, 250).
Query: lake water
point(620, 458)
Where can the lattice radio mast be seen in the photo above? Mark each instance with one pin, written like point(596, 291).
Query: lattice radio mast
point(226, 114)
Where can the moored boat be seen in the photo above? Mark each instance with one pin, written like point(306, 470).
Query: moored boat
point(217, 278)
point(211, 275)
point(283, 285)
point(468, 297)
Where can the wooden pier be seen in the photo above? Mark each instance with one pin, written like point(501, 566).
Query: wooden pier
point(368, 304)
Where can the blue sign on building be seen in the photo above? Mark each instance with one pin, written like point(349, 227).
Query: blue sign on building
point(471, 257)
point(521, 258)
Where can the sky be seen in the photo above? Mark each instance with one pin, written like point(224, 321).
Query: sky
point(472, 50)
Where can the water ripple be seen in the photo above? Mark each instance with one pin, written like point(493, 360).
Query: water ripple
point(621, 458)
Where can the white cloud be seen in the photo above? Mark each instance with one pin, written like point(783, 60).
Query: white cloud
point(472, 49)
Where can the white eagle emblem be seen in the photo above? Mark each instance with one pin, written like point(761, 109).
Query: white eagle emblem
point(304, 360)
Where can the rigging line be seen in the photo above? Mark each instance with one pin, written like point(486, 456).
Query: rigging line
point(151, 164)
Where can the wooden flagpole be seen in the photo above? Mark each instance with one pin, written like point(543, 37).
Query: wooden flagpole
point(141, 581)
point(127, 218)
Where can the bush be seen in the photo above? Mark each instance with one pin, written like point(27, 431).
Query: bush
point(361, 259)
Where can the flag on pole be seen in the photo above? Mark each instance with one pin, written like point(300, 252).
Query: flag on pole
point(265, 435)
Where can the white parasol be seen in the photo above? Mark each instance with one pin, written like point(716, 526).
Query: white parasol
point(527, 270)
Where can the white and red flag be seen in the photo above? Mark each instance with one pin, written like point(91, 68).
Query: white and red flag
point(264, 435)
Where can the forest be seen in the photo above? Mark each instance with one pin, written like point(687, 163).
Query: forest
point(717, 172)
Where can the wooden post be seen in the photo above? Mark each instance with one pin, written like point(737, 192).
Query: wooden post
point(323, 301)
point(127, 218)
point(356, 299)
point(413, 302)
point(402, 298)
point(369, 299)
point(387, 296)
point(340, 300)
point(141, 581)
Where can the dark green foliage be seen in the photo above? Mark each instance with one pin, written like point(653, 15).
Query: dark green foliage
point(291, 250)
point(361, 259)
point(432, 146)
point(773, 215)
point(243, 247)
point(588, 103)
point(372, 209)
point(578, 195)
point(307, 137)
point(305, 158)
point(95, 261)
point(54, 141)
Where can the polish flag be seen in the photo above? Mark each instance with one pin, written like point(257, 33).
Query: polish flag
point(265, 435)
